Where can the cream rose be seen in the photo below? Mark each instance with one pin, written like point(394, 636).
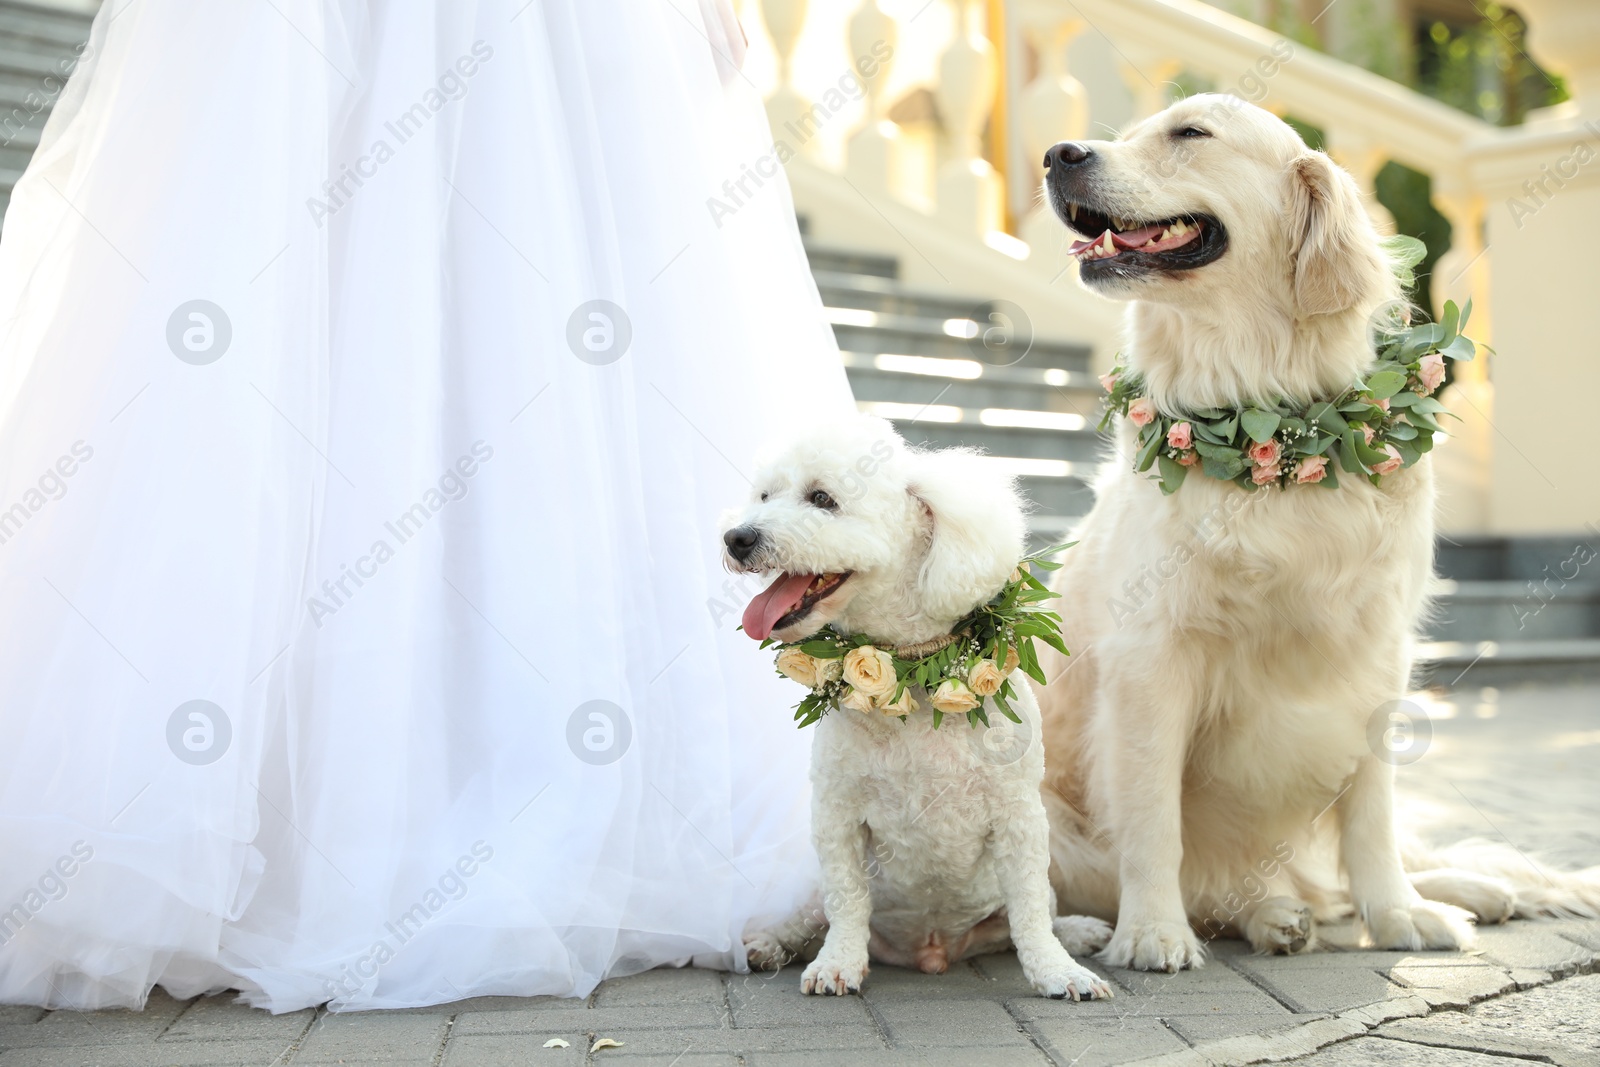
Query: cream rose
point(1431, 372)
point(1390, 465)
point(1108, 381)
point(953, 697)
point(1265, 453)
point(1312, 469)
point(1264, 475)
point(870, 670)
point(984, 678)
point(1189, 458)
point(1142, 411)
point(829, 670)
point(856, 700)
point(1012, 660)
point(799, 666)
point(904, 706)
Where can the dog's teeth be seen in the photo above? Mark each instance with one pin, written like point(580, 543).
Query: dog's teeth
point(1072, 212)
point(1106, 247)
point(1179, 228)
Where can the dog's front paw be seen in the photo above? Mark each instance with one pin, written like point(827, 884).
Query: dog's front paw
point(828, 975)
point(1067, 979)
point(766, 952)
point(1280, 925)
point(1154, 946)
point(1081, 935)
point(1419, 925)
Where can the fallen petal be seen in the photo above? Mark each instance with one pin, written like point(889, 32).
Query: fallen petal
point(556, 1042)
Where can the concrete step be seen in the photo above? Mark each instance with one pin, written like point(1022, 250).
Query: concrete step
point(871, 331)
point(1538, 559)
point(1477, 663)
point(43, 28)
point(1516, 611)
point(834, 261)
point(1046, 400)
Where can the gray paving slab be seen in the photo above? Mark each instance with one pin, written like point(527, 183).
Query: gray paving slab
point(1382, 1052)
point(372, 1037)
point(182, 1054)
point(1099, 1042)
point(1528, 993)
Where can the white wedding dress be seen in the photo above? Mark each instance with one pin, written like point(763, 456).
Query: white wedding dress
point(363, 633)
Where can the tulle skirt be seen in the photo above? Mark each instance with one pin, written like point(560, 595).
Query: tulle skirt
point(372, 376)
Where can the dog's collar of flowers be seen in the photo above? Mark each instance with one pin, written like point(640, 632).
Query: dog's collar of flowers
point(1381, 424)
point(956, 672)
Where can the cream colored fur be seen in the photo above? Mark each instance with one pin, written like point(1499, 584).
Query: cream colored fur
point(1209, 766)
point(933, 843)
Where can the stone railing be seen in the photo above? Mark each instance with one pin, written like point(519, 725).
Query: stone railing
point(962, 97)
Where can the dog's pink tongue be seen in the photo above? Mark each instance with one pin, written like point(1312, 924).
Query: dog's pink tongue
point(774, 602)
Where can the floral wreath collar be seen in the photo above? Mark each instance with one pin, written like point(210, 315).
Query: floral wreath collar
point(957, 673)
point(1379, 425)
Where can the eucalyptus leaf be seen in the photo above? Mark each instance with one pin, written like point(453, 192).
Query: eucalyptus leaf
point(1385, 384)
point(1172, 474)
point(1260, 425)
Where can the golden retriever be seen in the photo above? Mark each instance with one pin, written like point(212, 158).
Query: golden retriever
point(1208, 752)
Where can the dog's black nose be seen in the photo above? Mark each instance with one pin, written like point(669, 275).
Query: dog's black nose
point(741, 541)
point(1067, 154)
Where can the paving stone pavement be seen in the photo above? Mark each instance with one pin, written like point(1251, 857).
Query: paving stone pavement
point(1512, 765)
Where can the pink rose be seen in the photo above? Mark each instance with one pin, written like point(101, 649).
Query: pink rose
point(1312, 470)
point(1108, 381)
point(1189, 459)
point(1266, 453)
point(1142, 411)
point(1390, 465)
point(1431, 372)
point(1368, 433)
point(1384, 403)
point(1181, 435)
point(1264, 475)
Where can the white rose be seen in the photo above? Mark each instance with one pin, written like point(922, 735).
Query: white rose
point(829, 670)
point(954, 697)
point(870, 670)
point(856, 700)
point(985, 678)
point(800, 666)
point(1012, 660)
point(904, 706)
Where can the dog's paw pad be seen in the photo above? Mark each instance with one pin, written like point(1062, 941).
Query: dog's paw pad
point(1074, 982)
point(1082, 935)
point(1425, 924)
point(829, 978)
point(1281, 925)
point(1154, 946)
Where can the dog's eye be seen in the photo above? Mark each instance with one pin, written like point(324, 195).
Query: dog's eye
point(763, 498)
point(821, 499)
point(1191, 131)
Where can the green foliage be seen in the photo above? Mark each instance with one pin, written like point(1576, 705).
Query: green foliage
point(1389, 414)
point(1011, 620)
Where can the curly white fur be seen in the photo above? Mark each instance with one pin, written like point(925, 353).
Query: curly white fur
point(933, 843)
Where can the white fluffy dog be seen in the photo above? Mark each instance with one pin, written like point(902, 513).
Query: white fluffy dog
point(933, 843)
point(1209, 740)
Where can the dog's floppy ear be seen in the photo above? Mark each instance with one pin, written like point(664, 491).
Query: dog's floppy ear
point(976, 529)
point(1337, 260)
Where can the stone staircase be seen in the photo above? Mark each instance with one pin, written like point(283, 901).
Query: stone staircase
point(1506, 607)
point(38, 42)
point(920, 362)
